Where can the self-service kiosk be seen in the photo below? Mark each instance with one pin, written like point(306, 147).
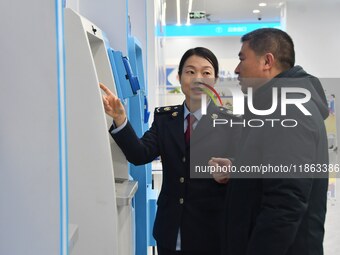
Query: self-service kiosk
point(100, 190)
point(146, 198)
point(131, 89)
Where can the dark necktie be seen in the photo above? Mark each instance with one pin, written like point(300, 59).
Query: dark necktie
point(190, 119)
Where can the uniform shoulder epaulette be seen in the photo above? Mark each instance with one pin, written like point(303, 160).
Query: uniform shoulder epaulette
point(167, 109)
point(228, 112)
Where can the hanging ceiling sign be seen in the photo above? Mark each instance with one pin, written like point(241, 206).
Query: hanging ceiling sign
point(197, 15)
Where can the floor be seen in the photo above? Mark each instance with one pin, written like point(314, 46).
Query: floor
point(332, 227)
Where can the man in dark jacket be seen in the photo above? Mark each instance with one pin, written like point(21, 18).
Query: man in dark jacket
point(276, 202)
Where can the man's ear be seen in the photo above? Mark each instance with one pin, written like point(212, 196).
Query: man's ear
point(269, 61)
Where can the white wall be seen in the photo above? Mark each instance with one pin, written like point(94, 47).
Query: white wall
point(137, 12)
point(29, 147)
point(315, 31)
point(150, 54)
point(155, 53)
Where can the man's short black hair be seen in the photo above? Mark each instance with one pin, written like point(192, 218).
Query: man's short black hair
point(275, 41)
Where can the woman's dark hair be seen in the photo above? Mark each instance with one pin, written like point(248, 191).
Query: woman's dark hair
point(272, 40)
point(201, 52)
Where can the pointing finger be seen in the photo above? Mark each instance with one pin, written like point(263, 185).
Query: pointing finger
point(105, 89)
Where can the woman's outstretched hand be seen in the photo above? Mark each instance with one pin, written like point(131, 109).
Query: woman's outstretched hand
point(113, 106)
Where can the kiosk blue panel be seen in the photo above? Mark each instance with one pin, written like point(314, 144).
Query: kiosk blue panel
point(110, 53)
point(139, 116)
point(132, 78)
point(121, 75)
point(129, 78)
point(136, 60)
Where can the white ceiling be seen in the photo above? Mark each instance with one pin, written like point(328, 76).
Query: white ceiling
point(230, 11)
point(224, 11)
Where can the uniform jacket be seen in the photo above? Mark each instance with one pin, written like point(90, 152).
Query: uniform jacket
point(281, 216)
point(193, 205)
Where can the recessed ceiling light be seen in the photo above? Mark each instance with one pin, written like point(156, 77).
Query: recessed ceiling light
point(262, 4)
point(178, 5)
point(256, 11)
point(189, 10)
